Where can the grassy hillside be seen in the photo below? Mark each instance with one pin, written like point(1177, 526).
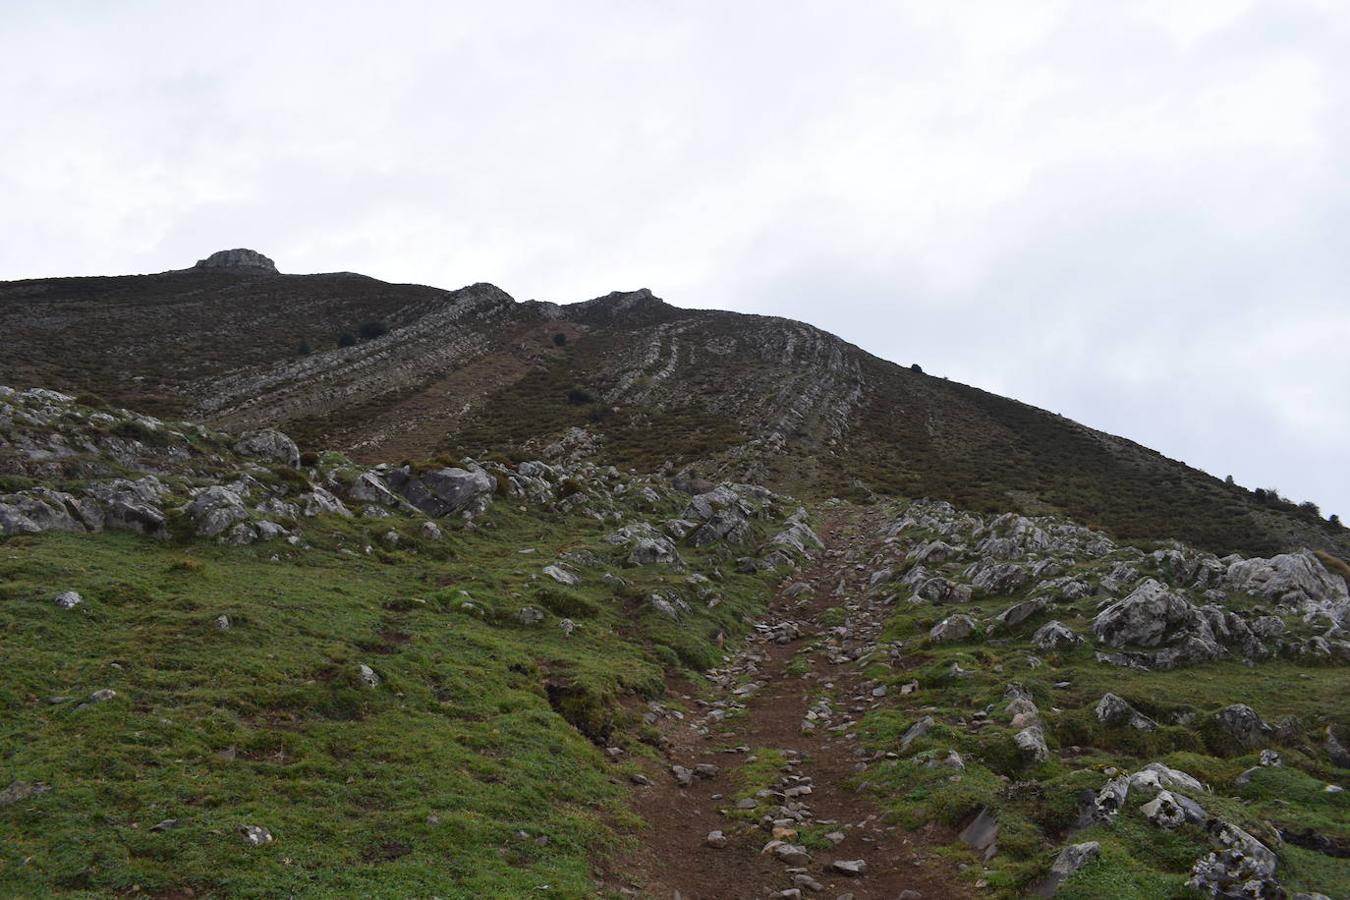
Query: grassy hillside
point(466, 773)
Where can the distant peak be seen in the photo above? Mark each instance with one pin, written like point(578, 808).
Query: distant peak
point(238, 260)
point(621, 300)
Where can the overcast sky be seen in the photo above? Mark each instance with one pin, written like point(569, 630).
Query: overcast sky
point(1136, 214)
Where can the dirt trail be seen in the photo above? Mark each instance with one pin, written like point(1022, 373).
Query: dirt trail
point(836, 618)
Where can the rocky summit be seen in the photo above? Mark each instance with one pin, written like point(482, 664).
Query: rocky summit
point(320, 586)
point(240, 260)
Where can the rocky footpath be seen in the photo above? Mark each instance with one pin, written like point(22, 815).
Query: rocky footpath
point(788, 775)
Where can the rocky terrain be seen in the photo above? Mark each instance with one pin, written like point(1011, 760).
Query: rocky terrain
point(387, 372)
point(507, 600)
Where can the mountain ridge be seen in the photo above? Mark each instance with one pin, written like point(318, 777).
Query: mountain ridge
point(389, 371)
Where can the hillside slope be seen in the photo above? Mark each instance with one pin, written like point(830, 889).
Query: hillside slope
point(233, 669)
point(425, 372)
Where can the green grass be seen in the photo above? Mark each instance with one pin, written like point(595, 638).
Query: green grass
point(1037, 806)
point(479, 720)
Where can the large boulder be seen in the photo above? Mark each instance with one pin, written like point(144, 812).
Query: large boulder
point(1055, 636)
point(1114, 710)
point(1030, 743)
point(724, 516)
point(369, 487)
point(269, 444)
point(215, 509)
point(647, 546)
point(994, 577)
point(1019, 612)
point(1240, 866)
point(1150, 616)
point(1244, 725)
point(1298, 579)
point(318, 502)
point(131, 505)
point(239, 260)
point(39, 509)
point(443, 492)
point(1070, 860)
point(798, 534)
point(952, 628)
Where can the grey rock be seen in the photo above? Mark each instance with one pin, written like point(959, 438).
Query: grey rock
point(19, 791)
point(792, 854)
point(216, 509)
point(1030, 742)
point(1297, 579)
point(240, 260)
point(443, 492)
point(1146, 618)
point(716, 839)
point(1054, 636)
point(430, 531)
point(1239, 866)
point(915, 731)
point(1156, 776)
point(982, 833)
point(995, 577)
point(651, 551)
point(798, 535)
point(103, 695)
point(68, 600)
point(1113, 710)
point(529, 615)
point(1243, 724)
point(131, 505)
point(1164, 811)
point(255, 835)
point(319, 502)
point(849, 867)
point(669, 605)
point(37, 510)
point(1070, 860)
point(1339, 755)
point(562, 576)
point(269, 444)
point(222, 622)
point(367, 676)
point(932, 552)
point(952, 628)
point(724, 517)
point(369, 487)
point(1018, 613)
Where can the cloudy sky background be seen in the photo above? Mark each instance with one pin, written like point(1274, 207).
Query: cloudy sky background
point(1134, 214)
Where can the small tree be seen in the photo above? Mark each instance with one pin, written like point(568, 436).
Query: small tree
point(559, 339)
point(1334, 520)
point(372, 329)
point(304, 349)
point(346, 339)
point(916, 368)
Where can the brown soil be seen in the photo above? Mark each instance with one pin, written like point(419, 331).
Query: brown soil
point(674, 861)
